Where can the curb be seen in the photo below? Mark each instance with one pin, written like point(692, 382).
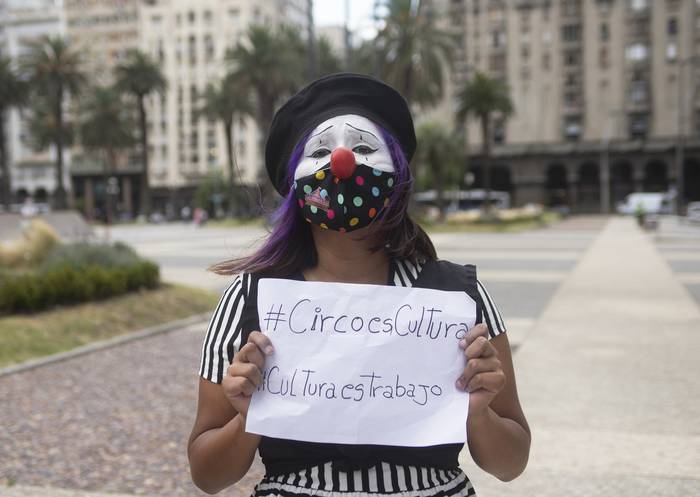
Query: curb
point(104, 344)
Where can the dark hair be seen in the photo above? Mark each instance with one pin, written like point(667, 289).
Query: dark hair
point(290, 247)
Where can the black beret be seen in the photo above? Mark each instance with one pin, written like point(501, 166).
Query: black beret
point(329, 96)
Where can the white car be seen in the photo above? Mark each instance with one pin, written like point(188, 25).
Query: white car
point(692, 213)
point(649, 203)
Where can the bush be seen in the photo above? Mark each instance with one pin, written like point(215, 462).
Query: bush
point(79, 255)
point(67, 284)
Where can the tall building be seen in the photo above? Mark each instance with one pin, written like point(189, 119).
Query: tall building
point(32, 171)
point(595, 86)
point(190, 39)
point(103, 31)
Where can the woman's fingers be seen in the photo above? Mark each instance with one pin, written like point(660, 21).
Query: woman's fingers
point(476, 366)
point(250, 353)
point(246, 370)
point(262, 341)
point(236, 386)
point(492, 381)
point(480, 330)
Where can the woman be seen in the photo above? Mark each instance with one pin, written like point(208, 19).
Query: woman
point(338, 153)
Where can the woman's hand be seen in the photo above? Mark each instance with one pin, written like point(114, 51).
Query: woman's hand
point(483, 376)
point(244, 375)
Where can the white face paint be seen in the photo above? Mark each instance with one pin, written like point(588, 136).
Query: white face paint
point(351, 131)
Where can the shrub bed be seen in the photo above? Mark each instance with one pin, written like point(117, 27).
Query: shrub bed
point(76, 273)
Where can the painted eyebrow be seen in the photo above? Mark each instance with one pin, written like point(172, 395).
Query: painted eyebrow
point(322, 131)
point(362, 130)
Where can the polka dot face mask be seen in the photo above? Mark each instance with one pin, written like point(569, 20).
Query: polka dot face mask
point(344, 204)
point(345, 178)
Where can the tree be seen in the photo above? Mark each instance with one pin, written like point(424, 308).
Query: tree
point(140, 76)
point(413, 50)
point(106, 128)
point(268, 63)
point(328, 62)
point(483, 97)
point(442, 152)
point(54, 71)
point(225, 102)
point(13, 92)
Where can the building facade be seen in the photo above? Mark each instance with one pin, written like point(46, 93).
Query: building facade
point(190, 39)
point(604, 92)
point(32, 171)
point(103, 31)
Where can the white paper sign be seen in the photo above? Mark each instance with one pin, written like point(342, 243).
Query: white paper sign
point(362, 364)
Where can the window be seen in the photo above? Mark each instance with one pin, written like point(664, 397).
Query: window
point(498, 38)
point(572, 57)
point(546, 61)
point(672, 27)
point(603, 58)
point(604, 32)
point(571, 7)
point(671, 52)
point(637, 52)
point(571, 32)
point(497, 62)
point(572, 128)
point(155, 20)
point(572, 98)
point(525, 52)
point(499, 131)
point(191, 16)
point(638, 4)
point(604, 5)
point(638, 92)
point(192, 49)
point(209, 47)
point(207, 16)
point(638, 125)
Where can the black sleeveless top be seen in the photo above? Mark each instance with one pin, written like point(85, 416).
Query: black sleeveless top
point(282, 456)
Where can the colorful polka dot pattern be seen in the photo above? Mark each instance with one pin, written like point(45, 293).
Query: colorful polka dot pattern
point(344, 205)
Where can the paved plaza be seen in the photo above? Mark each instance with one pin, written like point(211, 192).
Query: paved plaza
point(602, 316)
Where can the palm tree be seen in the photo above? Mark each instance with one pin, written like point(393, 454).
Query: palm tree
point(328, 62)
point(225, 102)
point(140, 76)
point(106, 129)
point(413, 51)
point(482, 97)
point(54, 72)
point(268, 63)
point(12, 94)
point(442, 152)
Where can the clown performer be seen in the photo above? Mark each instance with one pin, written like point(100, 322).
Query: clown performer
point(338, 153)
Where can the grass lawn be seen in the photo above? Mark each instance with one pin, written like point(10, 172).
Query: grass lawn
point(493, 227)
point(27, 336)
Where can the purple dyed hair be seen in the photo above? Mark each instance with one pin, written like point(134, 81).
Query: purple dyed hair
point(290, 246)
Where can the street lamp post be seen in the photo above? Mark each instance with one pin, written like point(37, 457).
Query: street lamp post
point(680, 143)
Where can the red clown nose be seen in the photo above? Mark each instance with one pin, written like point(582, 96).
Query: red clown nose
point(342, 163)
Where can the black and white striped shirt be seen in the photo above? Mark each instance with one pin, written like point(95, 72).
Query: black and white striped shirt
point(224, 331)
point(384, 479)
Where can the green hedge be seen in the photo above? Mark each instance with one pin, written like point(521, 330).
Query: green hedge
point(67, 282)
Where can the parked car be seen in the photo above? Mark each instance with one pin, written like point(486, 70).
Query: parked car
point(692, 213)
point(647, 203)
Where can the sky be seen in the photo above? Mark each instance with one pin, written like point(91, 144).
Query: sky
point(332, 12)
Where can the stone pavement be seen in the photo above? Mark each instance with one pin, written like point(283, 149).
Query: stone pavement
point(609, 380)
